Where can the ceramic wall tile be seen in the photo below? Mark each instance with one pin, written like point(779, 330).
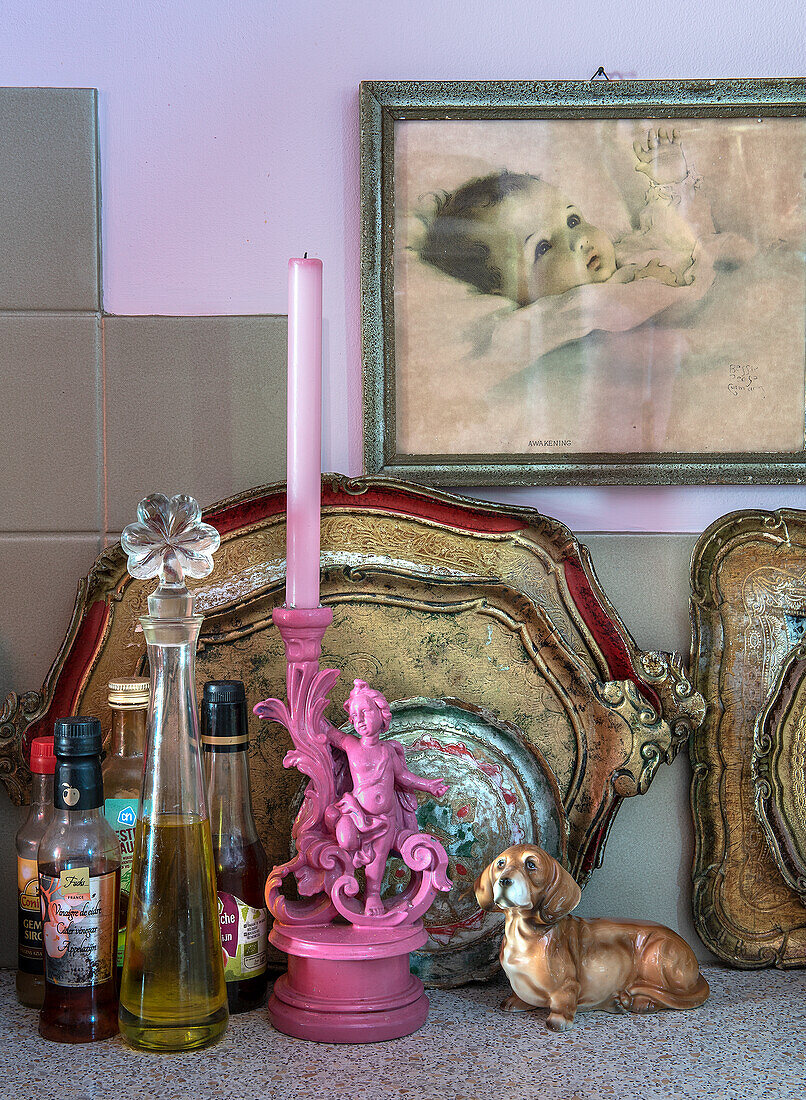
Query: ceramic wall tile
point(50, 422)
point(39, 579)
point(194, 404)
point(49, 214)
point(646, 578)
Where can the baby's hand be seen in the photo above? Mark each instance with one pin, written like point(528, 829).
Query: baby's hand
point(438, 788)
point(662, 159)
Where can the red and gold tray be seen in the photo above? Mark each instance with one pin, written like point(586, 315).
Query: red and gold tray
point(433, 596)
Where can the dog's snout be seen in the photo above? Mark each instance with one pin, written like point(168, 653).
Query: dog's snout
point(505, 881)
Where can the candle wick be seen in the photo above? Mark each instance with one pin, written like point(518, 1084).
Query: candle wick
point(305, 257)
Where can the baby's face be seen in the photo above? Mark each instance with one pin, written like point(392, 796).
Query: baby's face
point(547, 247)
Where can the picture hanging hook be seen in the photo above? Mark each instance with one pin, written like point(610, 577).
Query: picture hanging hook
point(600, 72)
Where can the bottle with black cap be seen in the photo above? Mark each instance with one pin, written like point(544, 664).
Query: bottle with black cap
point(240, 860)
point(79, 887)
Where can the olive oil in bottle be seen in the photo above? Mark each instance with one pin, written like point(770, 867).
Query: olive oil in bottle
point(172, 990)
point(172, 950)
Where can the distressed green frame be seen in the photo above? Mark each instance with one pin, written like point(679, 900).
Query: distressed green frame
point(382, 104)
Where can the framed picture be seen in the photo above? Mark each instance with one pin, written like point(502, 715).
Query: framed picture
point(598, 283)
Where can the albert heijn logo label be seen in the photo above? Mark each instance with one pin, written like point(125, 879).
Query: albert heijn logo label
point(127, 817)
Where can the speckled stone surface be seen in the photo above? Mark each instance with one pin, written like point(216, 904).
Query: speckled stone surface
point(747, 1043)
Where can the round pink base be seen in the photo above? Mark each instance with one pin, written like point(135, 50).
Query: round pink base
point(348, 985)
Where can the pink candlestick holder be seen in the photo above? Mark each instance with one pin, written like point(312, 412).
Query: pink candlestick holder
point(348, 977)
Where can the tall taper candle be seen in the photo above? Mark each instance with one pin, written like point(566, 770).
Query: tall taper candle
point(304, 431)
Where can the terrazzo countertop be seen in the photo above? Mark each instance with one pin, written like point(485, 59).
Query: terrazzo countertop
point(748, 1041)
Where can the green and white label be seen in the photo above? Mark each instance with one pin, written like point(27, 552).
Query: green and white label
point(121, 813)
point(244, 937)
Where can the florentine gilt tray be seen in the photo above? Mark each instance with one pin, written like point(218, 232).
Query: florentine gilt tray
point(433, 596)
point(748, 584)
point(779, 770)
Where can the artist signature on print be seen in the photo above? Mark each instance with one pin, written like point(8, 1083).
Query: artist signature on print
point(745, 379)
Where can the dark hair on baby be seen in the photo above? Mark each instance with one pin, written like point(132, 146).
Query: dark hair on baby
point(452, 241)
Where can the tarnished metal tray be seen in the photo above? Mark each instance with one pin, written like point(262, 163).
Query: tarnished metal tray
point(501, 792)
point(433, 595)
point(748, 583)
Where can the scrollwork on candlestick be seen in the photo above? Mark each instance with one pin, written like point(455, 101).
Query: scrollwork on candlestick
point(359, 806)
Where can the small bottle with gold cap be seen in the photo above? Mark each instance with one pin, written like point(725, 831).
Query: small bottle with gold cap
point(123, 777)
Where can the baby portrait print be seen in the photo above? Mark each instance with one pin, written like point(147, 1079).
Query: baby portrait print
point(599, 287)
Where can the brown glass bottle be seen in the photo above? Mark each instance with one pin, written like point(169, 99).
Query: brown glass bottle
point(30, 964)
point(240, 860)
point(123, 777)
point(79, 886)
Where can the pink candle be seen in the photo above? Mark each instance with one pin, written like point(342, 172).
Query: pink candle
point(304, 432)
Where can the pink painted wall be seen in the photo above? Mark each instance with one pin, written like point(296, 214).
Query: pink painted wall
point(229, 141)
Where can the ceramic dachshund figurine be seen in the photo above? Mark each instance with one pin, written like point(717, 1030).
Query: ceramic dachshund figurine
point(567, 964)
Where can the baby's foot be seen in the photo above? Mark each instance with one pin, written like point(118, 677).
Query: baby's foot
point(373, 906)
point(662, 158)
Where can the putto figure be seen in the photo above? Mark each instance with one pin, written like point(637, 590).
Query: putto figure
point(359, 808)
point(379, 813)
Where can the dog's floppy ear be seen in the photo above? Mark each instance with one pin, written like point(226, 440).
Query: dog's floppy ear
point(561, 894)
point(483, 887)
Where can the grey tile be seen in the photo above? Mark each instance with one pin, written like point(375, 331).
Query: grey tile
point(39, 579)
point(646, 872)
point(646, 578)
point(49, 205)
point(195, 405)
point(50, 422)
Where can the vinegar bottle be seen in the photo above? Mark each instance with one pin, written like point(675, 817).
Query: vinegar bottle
point(172, 993)
point(30, 964)
point(123, 777)
point(79, 881)
point(240, 860)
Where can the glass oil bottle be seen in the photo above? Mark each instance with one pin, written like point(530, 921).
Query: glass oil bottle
point(173, 994)
point(30, 964)
point(240, 859)
point(79, 881)
point(123, 777)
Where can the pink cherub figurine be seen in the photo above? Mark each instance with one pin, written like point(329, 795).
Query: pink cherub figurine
point(379, 813)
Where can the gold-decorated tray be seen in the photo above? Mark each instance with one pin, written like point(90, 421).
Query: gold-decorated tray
point(748, 582)
point(433, 596)
point(779, 770)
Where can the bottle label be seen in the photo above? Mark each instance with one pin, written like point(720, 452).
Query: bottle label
point(29, 923)
point(121, 813)
point(244, 937)
point(78, 926)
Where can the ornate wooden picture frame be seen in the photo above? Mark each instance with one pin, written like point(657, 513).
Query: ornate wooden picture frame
point(433, 594)
point(558, 277)
point(748, 603)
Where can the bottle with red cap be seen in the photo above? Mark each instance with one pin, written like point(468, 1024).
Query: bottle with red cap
point(30, 966)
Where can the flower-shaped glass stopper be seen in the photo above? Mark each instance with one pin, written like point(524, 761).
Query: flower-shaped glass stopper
point(170, 541)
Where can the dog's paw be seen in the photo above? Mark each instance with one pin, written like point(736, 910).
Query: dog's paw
point(513, 1003)
point(556, 1022)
